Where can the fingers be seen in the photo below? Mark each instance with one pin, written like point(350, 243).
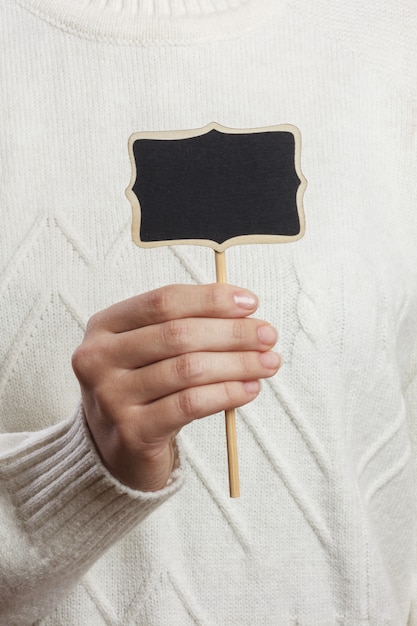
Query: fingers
point(193, 403)
point(197, 369)
point(175, 302)
point(161, 341)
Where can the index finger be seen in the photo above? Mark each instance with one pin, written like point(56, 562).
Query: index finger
point(176, 302)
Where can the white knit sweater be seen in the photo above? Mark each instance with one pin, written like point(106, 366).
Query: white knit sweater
point(324, 533)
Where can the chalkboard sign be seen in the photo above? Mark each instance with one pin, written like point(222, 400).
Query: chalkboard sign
point(216, 186)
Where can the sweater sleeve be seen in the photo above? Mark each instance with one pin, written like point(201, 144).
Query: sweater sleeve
point(60, 509)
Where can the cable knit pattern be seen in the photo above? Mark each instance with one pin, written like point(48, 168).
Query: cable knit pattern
point(324, 533)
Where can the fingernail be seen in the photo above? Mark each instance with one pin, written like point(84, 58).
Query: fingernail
point(267, 335)
point(245, 300)
point(252, 386)
point(270, 359)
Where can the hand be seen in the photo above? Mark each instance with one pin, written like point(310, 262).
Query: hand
point(150, 365)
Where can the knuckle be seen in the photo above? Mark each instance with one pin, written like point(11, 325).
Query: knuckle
point(189, 403)
point(215, 297)
point(232, 395)
point(248, 364)
point(93, 323)
point(158, 301)
point(188, 367)
point(87, 359)
point(237, 330)
point(177, 335)
point(82, 361)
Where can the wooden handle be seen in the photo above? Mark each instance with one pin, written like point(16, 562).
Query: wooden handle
point(230, 415)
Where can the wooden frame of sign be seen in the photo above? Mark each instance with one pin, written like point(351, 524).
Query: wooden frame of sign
point(217, 187)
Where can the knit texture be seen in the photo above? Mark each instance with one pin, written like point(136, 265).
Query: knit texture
point(325, 530)
point(69, 506)
point(154, 22)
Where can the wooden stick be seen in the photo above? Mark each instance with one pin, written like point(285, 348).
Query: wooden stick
point(230, 416)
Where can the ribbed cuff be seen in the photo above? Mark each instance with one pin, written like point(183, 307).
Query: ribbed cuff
point(67, 500)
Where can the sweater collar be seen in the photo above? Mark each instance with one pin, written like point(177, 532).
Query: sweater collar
point(154, 22)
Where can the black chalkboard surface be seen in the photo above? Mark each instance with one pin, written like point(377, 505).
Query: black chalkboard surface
point(216, 186)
